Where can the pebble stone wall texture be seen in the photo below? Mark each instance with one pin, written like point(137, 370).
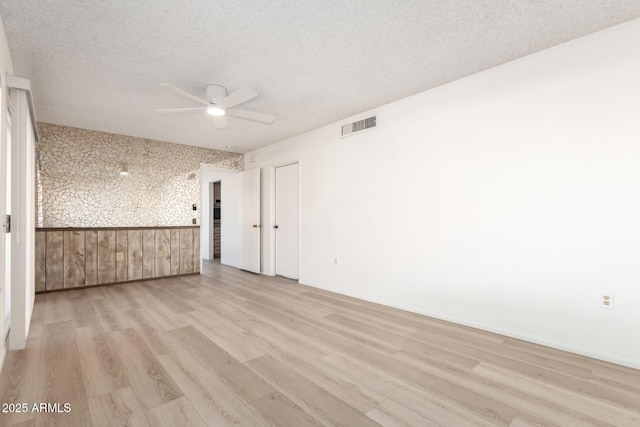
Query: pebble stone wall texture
point(80, 183)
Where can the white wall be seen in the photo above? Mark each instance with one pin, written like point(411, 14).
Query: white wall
point(230, 214)
point(505, 200)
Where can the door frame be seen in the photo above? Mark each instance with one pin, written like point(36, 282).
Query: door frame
point(250, 225)
point(7, 162)
point(211, 218)
point(3, 195)
point(269, 237)
point(229, 181)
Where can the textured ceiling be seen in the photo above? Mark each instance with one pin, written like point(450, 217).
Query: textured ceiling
point(96, 64)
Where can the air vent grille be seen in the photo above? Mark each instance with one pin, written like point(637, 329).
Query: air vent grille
point(360, 125)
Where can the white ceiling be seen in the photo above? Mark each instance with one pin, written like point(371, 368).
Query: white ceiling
point(96, 64)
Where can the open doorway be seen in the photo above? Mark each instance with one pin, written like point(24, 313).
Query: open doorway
point(216, 219)
point(229, 223)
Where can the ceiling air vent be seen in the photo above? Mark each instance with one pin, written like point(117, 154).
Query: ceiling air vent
point(359, 126)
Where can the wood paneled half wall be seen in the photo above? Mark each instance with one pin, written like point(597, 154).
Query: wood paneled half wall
point(70, 258)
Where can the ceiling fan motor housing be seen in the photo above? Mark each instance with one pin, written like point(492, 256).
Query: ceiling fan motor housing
point(219, 103)
point(215, 93)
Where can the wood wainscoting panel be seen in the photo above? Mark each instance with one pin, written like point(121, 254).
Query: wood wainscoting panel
point(91, 257)
point(74, 259)
point(55, 254)
point(122, 243)
point(41, 262)
point(71, 258)
point(163, 252)
point(196, 250)
point(148, 254)
point(106, 256)
point(175, 251)
point(186, 250)
point(134, 261)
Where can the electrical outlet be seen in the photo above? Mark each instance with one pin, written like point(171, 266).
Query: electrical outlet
point(607, 300)
point(119, 256)
point(335, 261)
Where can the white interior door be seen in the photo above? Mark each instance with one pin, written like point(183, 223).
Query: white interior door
point(287, 221)
point(250, 220)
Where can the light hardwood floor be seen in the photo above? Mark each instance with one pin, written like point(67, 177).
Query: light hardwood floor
point(234, 348)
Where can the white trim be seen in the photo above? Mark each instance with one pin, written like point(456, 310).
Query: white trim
point(229, 180)
point(15, 82)
point(23, 227)
point(272, 197)
point(3, 142)
point(268, 209)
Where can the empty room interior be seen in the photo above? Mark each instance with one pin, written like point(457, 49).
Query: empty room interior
point(349, 213)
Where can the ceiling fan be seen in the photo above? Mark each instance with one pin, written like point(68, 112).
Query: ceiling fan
point(220, 104)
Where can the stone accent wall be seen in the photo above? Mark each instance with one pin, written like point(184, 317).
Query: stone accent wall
point(80, 183)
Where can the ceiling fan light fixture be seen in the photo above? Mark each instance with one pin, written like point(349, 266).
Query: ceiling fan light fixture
point(220, 104)
point(214, 110)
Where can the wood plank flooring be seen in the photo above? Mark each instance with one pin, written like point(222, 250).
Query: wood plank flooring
point(238, 349)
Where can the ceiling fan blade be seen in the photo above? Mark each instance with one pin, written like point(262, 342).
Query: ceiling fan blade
point(252, 115)
point(243, 94)
point(183, 93)
point(220, 122)
point(180, 110)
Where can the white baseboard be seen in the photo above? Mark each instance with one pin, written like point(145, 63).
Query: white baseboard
point(606, 357)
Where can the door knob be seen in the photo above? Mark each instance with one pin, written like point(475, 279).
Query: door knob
point(275, 226)
point(256, 225)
